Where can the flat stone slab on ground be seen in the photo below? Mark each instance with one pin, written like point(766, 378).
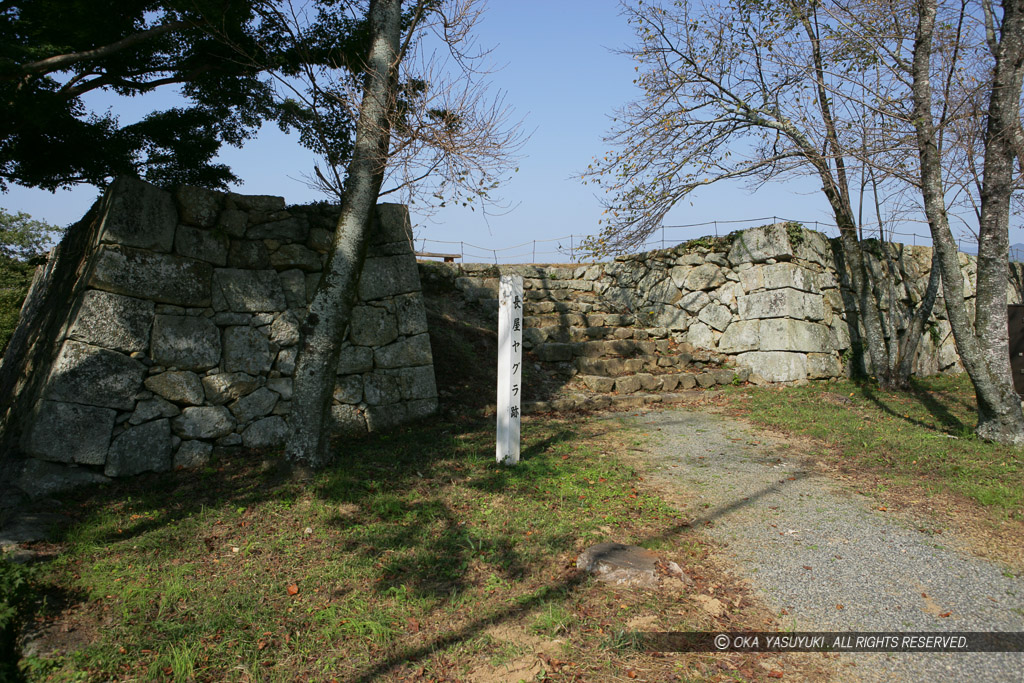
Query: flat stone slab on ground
point(626, 565)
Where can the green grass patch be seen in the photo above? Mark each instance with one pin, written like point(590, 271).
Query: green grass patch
point(398, 559)
point(925, 436)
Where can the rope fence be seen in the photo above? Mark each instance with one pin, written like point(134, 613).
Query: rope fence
point(568, 248)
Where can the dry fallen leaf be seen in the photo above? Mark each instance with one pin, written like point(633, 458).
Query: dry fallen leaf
point(774, 674)
point(293, 589)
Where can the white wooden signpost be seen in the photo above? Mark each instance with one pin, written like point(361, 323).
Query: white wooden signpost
point(510, 366)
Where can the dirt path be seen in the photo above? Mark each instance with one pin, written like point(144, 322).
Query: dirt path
point(825, 559)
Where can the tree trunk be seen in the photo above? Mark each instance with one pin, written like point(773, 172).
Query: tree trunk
point(986, 360)
point(330, 311)
point(911, 339)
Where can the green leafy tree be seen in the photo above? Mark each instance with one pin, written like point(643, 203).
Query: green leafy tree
point(22, 237)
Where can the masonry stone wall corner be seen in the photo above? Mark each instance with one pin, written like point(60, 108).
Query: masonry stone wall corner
point(166, 325)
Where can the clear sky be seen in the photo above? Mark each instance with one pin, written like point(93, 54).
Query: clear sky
point(561, 75)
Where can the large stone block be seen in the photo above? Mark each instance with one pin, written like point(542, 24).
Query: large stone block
point(146, 448)
point(270, 432)
point(823, 366)
point(704, 277)
point(781, 303)
point(411, 314)
point(701, 336)
point(284, 331)
point(417, 383)
point(256, 404)
point(388, 275)
point(178, 386)
point(779, 275)
point(137, 214)
point(406, 352)
point(248, 255)
point(381, 389)
point(349, 389)
point(203, 422)
point(355, 359)
point(757, 245)
point(41, 479)
point(782, 334)
point(164, 278)
point(347, 420)
point(693, 302)
point(113, 321)
point(202, 244)
point(716, 316)
point(197, 205)
point(775, 366)
point(295, 256)
point(246, 350)
point(94, 376)
point(250, 291)
point(372, 326)
point(152, 408)
point(393, 225)
point(741, 335)
point(291, 229)
point(228, 386)
point(69, 432)
point(185, 342)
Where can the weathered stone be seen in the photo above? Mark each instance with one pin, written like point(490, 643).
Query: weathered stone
point(706, 380)
point(192, 454)
point(411, 314)
point(40, 479)
point(781, 303)
point(393, 224)
point(180, 387)
point(285, 362)
point(413, 350)
point(113, 321)
point(293, 282)
point(250, 291)
point(320, 240)
point(823, 365)
point(678, 275)
point(757, 245)
point(295, 256)
point(94, 376)
point(197, 205)
point(202, 244)
point(257, 202)
point(152, 408)
point(228, 386)
point(671, 318)
point(814, 247)
point(417, 383)
point(741, 335)
point(69, 432)
point(248, 254)
point(349, 389)
point(146, 448)
point(347, 420)
point(372, 326)
point(389, 275)
point(185, 342)
point(380, 389)
point(137, 214)
point(693, 302)
point(782, 334)
point(284, 331)
point(286, 230)
point(778, 275)
point(312, 282)
point(553, 352)
point(355, 359)
point(704, 277)
point(626, 565)
point(752, 278)
point(163, 278)
point(281, 385)
point(203, 422)
point(246, 350)
point(701, 336)
point(256, 404)
point(233, 222)
point(716, 316)
point(775, 366)
point(270, 432)
point(627, 385)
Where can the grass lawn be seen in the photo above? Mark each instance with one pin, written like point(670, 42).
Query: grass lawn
point(914, 449)
point(416, 558)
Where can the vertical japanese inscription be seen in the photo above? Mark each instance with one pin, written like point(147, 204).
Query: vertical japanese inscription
point(510, 366)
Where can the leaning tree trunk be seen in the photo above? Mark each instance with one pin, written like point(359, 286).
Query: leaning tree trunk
point(330, 311)
point(985, 359)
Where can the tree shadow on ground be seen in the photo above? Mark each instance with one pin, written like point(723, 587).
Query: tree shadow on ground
point(936, 405)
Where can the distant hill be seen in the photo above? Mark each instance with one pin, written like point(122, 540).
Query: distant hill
point(1016, 251)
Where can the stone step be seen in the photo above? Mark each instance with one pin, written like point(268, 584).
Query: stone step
point(572, 306)
point(616, 348)
point(645, 381)
point(615, 367)
point(533, 336)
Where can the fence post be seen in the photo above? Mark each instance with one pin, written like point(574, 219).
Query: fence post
point(462, 251)
point(572, 253)
point(534, 251)
point(662, 236)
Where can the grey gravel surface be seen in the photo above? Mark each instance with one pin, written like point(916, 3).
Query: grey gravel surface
point(807, 547)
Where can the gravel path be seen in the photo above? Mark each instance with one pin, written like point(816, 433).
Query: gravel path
point(808, 547)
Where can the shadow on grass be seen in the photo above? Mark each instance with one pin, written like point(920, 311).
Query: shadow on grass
point(928, 400)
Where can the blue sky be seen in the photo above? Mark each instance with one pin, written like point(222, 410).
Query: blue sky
point(561, 75)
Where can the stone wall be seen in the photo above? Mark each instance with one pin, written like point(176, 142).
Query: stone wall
point(771, 299)
point(172, 329)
